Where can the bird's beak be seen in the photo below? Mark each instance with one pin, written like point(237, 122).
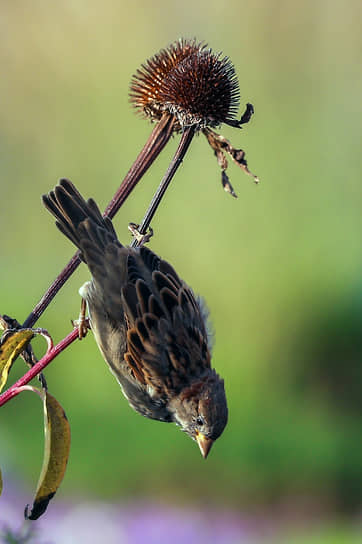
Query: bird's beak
point(204, 444)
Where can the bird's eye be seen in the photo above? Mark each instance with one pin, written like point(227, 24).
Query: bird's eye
point(200, 420)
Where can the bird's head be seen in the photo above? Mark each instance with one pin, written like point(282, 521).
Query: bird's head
point(201, 410)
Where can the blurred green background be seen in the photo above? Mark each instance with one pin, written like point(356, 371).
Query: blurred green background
point(280, 267)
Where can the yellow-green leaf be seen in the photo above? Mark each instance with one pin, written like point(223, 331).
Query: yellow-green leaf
point(56, 453)
point(10, 347)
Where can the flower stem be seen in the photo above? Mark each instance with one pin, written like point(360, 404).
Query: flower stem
point(150, 151)
point(39, 366)
point(181, 151)
point(159, 137)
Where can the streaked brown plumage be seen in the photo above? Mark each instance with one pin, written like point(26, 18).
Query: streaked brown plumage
point(148, 324)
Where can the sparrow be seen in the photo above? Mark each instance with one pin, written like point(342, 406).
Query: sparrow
point(149, 326)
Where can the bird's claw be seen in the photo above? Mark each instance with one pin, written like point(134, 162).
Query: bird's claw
point(141, 238)
point(82, 322)
point(82, 325)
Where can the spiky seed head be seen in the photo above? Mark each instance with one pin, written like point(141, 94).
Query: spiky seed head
point(189, 81)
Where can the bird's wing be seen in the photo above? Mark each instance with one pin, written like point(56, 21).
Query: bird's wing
point(167, 341)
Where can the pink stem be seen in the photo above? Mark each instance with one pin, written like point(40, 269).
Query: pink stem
point(38, 367)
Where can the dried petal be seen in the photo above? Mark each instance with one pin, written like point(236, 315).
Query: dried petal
point(221, 145)
point(227, 185)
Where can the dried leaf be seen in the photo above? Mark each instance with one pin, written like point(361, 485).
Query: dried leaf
point(227, 185)
point(245, 118)
point(1, 483)
point(56, 453)
point(238, 156)
point(221, 145)
point(12, 344)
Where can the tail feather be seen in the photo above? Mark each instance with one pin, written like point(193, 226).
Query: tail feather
point(79, 220)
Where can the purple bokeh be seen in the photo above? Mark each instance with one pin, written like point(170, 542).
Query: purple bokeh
point(109, 523)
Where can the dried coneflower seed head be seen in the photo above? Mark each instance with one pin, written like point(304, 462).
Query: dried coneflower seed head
point(186, 88)
point(196, 86)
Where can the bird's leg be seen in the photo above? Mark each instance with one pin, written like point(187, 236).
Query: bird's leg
point(140, 238)
point(82, 322)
